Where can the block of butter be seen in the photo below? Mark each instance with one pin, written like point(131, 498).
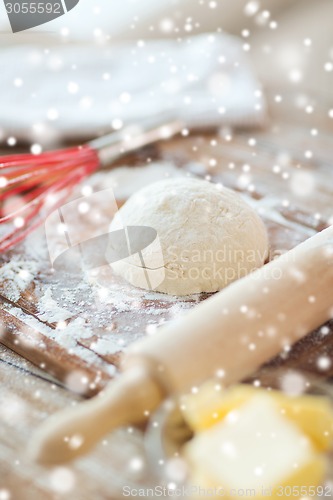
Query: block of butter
point(256, 451)
point(313, 414)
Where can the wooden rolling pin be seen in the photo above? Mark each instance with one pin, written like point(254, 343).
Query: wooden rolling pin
point(236, 330)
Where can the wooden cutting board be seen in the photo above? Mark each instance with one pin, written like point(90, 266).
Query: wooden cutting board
point(76, 327)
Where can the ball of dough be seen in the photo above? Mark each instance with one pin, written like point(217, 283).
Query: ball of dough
point(207, 237)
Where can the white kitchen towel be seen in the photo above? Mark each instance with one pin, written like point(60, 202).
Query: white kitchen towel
point(75, 91)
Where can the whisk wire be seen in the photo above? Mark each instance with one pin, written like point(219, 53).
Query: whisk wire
point(34, 182)
point(28, 180)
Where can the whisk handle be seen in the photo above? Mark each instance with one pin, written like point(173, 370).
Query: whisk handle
point(134, 137)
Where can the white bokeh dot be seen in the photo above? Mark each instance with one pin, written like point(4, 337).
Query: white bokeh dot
point(324, 363)
point(117, 124)
point(5, 494)
point(36, 149)
point(62, 480)
point(72, 87)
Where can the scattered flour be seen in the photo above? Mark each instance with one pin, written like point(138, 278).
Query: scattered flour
point(66, 337)
point(50, 311)
point(16, 276)
point(106, 346)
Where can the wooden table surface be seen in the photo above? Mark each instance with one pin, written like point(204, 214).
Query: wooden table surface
point(266, 168)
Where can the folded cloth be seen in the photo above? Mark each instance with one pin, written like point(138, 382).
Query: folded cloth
point(76, 91)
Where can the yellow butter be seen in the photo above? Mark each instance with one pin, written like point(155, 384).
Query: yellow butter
point(303, 482)
point(255, 452)
point(313, 414)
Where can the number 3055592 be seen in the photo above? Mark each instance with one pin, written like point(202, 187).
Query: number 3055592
point(33, 8)
point(304, 491)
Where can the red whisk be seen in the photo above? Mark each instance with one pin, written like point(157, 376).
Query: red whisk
point(33, 186)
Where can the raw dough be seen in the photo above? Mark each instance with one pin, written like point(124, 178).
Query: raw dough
point(207, 237)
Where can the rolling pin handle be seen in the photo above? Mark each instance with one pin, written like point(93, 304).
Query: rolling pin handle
point(126, 401)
